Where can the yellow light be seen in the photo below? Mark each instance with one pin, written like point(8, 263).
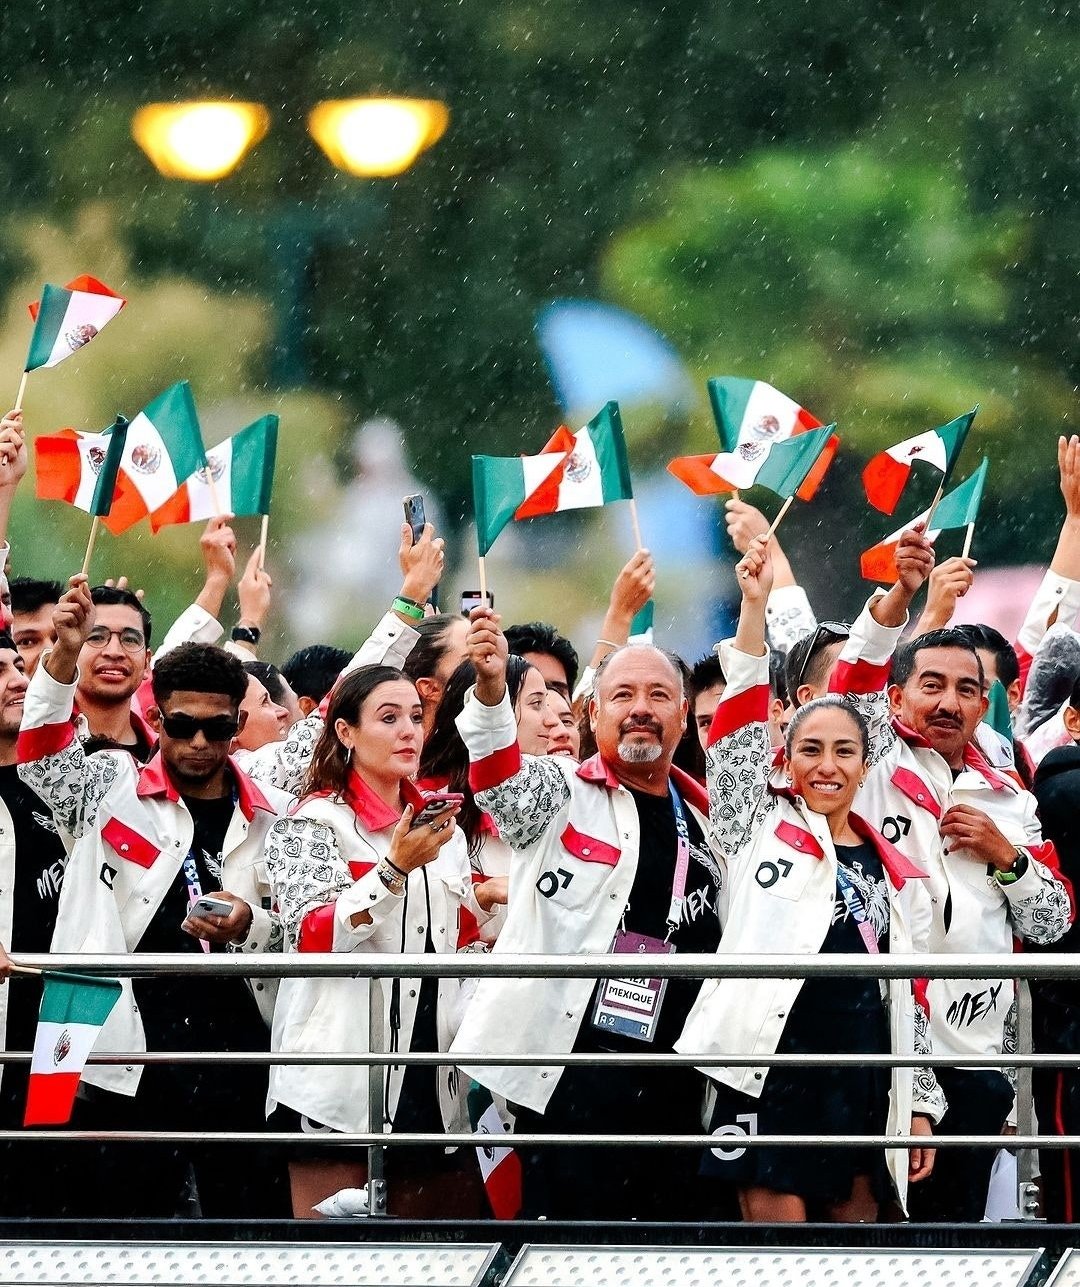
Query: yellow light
point(377, 137)
point(199, 140)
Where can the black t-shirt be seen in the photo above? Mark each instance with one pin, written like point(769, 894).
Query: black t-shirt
point(142, 749)
point(646, 913)
point(39, 872)
point(196, 1013)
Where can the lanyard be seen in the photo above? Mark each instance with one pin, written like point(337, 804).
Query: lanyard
point(194, 888)
point(857, 909)
point(682, 864)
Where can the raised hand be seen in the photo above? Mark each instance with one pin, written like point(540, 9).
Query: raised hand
point(254, 593)
point(744, 522)
point(486, 648)
point(754, 571)
point(13, 454)
point(634, 587)
point(73, 619)
point(422, 562)
point(914, 560)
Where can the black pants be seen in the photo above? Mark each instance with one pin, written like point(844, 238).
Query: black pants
point(979, 1104)
point(623, 1183)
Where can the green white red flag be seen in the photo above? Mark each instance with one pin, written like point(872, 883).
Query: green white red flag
point(752, 419)
point(164, 448)
point(789, 468)
point(241, 470)
point(959, 508)
point(68, 317)
point(886, 475)
point(73, 1011)
point(83, 469)
point(571, 471)
point(641, 628)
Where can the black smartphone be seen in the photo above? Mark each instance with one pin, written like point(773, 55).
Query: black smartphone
point(473, 599)
point(414, 515)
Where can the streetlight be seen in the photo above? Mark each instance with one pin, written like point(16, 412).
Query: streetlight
point(205, 140)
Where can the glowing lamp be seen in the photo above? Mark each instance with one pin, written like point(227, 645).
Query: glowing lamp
point(199, 140)
point(377, 137)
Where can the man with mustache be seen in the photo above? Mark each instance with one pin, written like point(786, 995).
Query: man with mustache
point(608, 856)
point(993, 878)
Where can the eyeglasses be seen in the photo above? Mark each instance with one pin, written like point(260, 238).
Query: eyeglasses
point(216, 728)
point(838, 629)
point(130, 640)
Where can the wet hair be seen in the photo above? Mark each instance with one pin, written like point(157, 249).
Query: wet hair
point(107, 595)
point(993, 641)
point(704, 674)
point(198, 668)
point(270, 677)
point(538, 636)
point(445, 756)
point(430, 648)
point(831, 701)
point(6, 642)
point(313, 671)
point(329, 769)
point(903, 666)
point(674, 661)
point(807, 661)
point(28, 594)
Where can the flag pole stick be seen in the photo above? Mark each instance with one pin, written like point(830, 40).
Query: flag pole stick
point(22, 391)
point(483, 580)
point(637, 525)
point(967, 540)
point(262, 541)
point(934, 503)
point(25, 969)
point(215, 500)
point(94, 528)
point(783, 510)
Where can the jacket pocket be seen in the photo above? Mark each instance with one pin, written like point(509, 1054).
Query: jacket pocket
point(129, 843)
point(588, 848)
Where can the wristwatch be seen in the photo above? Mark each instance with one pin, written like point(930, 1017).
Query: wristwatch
point(247, 634)
point(1015, 871)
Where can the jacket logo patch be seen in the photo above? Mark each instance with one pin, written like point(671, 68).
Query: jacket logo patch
point(107, 875)
point(768, 873)
point(550, 882)
point(894, 828)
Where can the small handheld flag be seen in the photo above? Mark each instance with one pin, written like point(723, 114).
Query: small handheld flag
point(242, 472)
point(960, 508)
point(67, 318)
point(886, 475)
point(73, 1011)
point(794, 467)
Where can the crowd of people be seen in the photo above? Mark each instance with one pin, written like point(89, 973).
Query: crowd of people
point(456, 786)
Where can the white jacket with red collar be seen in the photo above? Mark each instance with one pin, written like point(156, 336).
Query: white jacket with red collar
point(321, 862)
point(574, 834)
point(908, 790)
point(782, 891)
point(128, 833)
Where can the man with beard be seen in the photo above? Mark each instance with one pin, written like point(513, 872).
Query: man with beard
point(609, 856)
point(146, 843)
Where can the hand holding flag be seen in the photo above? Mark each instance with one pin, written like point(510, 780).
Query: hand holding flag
point(74, 1008)
point(67, 318)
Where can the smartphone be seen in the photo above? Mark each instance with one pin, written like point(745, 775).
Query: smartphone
point(414, 515)
point(473, 599)
point(208, 905)
point(436, 804)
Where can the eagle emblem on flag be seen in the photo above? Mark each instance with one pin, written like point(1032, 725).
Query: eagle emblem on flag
point(146, 459)
point(751, 452)
point(62, 1048)
point(766, 429)
point(80, 335)
point(578, 467)
point(95, 458)
point(214, 471)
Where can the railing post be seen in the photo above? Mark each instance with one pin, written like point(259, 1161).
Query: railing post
point(1027, 1161)
point(376, 1182)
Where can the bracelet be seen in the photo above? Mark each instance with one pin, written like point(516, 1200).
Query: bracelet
point(394, 867)
point(408, 609)
point(394, 883)
point(610, 643)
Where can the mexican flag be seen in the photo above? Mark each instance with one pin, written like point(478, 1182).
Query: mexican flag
point(164, 448)
point(886, 475)
point(960, 508)
point(73, 1011)
point(500, 1168)
point(641, 628)
point(67, 317)
point(83, 469)
point(571, 471)
point(790, 468)
point(242, 470)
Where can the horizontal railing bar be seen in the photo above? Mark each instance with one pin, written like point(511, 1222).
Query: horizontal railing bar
point(487, 1141)
point(473, 965)
point(438, 1059)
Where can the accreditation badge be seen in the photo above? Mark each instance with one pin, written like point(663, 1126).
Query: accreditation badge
point(631, 1007)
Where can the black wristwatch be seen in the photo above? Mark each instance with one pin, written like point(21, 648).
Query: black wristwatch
point(247, 634)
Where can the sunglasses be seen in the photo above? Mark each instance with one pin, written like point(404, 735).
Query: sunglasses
point(217, 728)
point(130, 640)
point(837, 629)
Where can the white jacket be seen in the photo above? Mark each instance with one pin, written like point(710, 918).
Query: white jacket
point(908, 789)
point(782, 890)
point(128, 832)
point(322, 862)
point(574, 834)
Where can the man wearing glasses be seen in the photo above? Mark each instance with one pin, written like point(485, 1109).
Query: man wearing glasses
point(114, 661)
point(146, 844)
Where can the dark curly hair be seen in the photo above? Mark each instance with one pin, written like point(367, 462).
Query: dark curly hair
point(330, 762)
point(108, 595)
point(198, 668)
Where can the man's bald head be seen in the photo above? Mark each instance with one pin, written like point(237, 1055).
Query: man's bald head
point(636, 655)
point(638, 711)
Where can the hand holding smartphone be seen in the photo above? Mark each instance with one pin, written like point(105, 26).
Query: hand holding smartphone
point(474, 599)
point(434, 805)
point(208, 905)
point(417, 520)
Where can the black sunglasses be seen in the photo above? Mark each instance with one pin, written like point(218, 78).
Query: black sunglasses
point(217, 728)
point(838, 629)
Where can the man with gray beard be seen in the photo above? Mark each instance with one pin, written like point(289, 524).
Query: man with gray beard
point(609, 856)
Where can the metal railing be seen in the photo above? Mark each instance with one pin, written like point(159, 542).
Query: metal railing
point(584, 966)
